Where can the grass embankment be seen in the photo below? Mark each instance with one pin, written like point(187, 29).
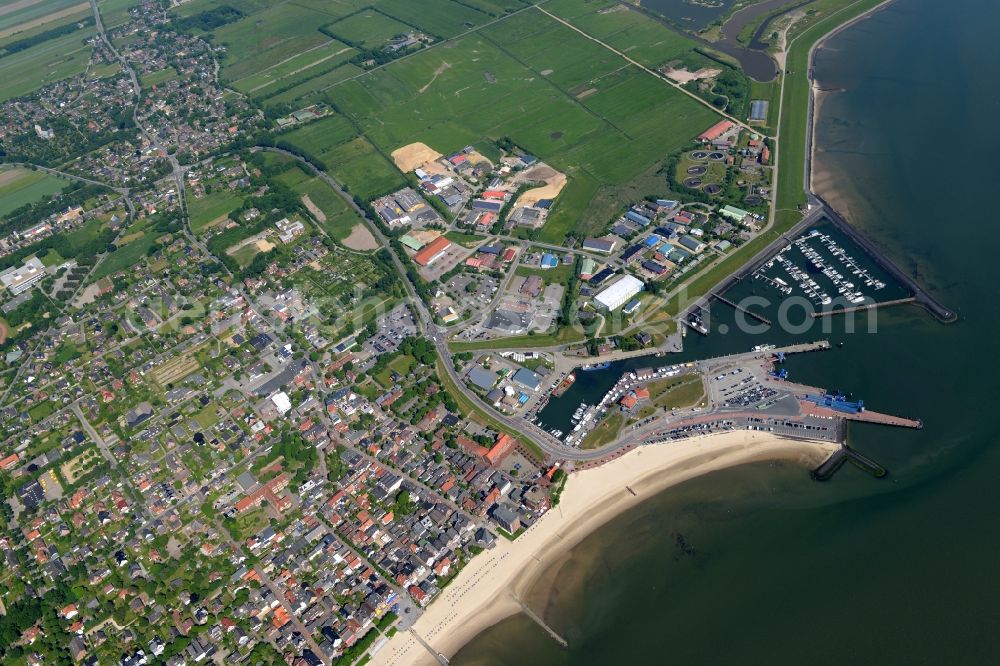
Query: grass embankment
point(794, 122)
point(469, 408)
point(793, 126)
point(606, 432)
point(673, 393)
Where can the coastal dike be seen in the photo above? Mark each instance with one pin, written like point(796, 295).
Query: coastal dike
point(820, 209)
point(817, 203)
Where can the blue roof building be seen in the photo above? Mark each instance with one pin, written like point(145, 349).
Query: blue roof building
point(481, 377)
point(549, 261)
point(638, 219)
point(528, 379)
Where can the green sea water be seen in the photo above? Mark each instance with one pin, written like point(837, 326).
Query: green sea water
point(772, 567)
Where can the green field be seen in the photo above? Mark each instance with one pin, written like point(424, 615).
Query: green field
point(301, 67)
point(321, 135)
point(635, 34)
point(266, 38)
point(578, 106)
point(561, 274)
point(401, 364)
point(44, 63)
point(52, 258)
point(467, 240)
point(206, 416)
point(158, 78)
point(23, 186)
point(245, 254)
point(310, 90)
point(33, 13)
point(368, 28)
point(442, 18)
point(205, 210)
point(125, 256)
point(52, 21)
point(349, 158)
point(340, 218)
point(115, 12)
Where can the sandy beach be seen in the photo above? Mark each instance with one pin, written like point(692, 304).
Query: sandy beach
point(486, 591)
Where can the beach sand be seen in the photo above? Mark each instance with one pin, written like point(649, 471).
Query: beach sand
point(486, 591)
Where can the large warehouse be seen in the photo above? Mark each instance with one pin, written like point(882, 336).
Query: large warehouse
point(432, 251)
point(619, 293)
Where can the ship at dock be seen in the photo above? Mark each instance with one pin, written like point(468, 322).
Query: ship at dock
point(564, 385)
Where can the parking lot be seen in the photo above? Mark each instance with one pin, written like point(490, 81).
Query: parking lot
point(393, 328)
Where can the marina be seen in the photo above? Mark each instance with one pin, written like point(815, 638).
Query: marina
point(826, 270)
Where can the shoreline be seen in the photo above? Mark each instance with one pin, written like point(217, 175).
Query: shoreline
point(494, 583)
point(814, 106)
point(488, 589)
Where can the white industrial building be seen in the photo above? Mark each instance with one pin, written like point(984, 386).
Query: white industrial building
point(21, 278)
point(619, 293)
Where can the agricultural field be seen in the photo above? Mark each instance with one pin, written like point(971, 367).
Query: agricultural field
point(205, 210)
point(46, 62)
point(115, 12)
point(309, 90)
point(24, 16)
point(442, 18)
point(496, 7)
point(269, 37)
point(23, 186)
point(632, 33)
point(368, 28)
point(349, 158)
point(293, 176)
point(302, 67)
point(579, 107)
point(321, 135)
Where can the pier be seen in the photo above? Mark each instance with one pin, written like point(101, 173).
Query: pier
point(867, 306)
point(719, 297)
point(540, 622)
point(801, 348)
point(866, 416)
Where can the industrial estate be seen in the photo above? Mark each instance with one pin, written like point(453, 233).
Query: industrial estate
point(312, 312)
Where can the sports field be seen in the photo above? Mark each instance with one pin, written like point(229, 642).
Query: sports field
point(23, 186)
